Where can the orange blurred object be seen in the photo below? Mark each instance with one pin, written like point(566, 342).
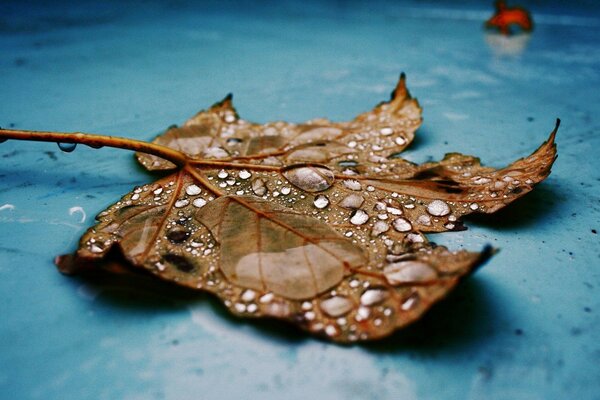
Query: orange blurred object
point(507, 16)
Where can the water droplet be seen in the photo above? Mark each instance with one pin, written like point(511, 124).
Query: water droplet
point(408, 271)
point(97, 248)
point(267, 298)
point(240, 307)
point(336, 306)
point(394, 211)
point(400, 141)
point(193, 190)
point(415, 238)
point(474, 206)
point(438, 208)
point(359, 217)
point(222, 174)
point(352, 201)
point(424, 220)
point(252, 308)
point(362, 313)
point(67, 147)
point(285, 190)
point(135, 196)
point(402, 225)
point(331, 330)
point(181, 203)
point(386, 131)
point(178, 235)
point(379, 227)
point(248, 295)
point(352, 144)
point(321, 201)
point(411, 302)
point(229, 118)
point(258, 187)
point(244, 174)
point(158, 191)
point(481, 181)
point(199, 202)
point(373, 296)
point(353, 185)
point(310, 179)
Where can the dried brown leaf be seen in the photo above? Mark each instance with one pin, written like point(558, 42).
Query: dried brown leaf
point(320, 224)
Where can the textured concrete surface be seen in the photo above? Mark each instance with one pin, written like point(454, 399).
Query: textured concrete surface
point(527, 326)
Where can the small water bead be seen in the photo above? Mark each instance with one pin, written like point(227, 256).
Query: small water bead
point(285, 190)
point(252, 308)
point(394, 211)
point(408, 271)
point(438, 208)
point(402, 225)
point(158, 191)
point(199, 202)
point(359, 217)
point(400, 141)
point(380, 227)
point(336, 306)
point(481, 181)
point(424, 220)
point(258, 187)
point(415, 238)
point(386, 131)
point(352, 201)
point(248, 295)
point(352, 144)
point(230, 181)
point(193, 190)
point(67, 147)
point(411, 302)
point(240, 307)
point(267, 298)
point(135, 196)
point(353, 185)
point(373, 296)
point(229, 118)
point(310, 179)
point(178, 235)
point(181, 203)
point(321, 201)
point(331, 330)
point(222, 174)
point(370, 188)
point(244, 174)
point(474, 206)
point(362, 313)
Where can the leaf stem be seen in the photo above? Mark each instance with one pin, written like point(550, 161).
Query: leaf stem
point(176, 157)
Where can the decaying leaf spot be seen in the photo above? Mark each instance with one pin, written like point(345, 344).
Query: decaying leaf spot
point(320, 224)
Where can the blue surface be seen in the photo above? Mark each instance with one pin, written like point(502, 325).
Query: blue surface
point(527, 326)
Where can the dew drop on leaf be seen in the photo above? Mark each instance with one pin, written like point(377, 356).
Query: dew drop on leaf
point(309, 178)
point(321, 201)
point(408, 271)
point(401, 225)
point(438, 208)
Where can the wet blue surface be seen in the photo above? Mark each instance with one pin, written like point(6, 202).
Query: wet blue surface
point(527, 326)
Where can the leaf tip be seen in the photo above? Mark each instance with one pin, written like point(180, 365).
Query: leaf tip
point(400, 89)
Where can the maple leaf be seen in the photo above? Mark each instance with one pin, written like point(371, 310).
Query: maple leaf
point(320, 223)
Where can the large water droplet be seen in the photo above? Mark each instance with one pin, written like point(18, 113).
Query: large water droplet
point(244, 174)
point(353, 184)
point(67, 147)
point(311, 179)
point(402, 225)
point(199, 202)
point(193, 190)
point(408, 271)
point(178, 235)
point(321, 201)
point(181, 203)
point(337, 306)
point(438, 208)
point(359, 217)
point(258, 187)
point(373, 296)
point(379, 227)
point(352, 201)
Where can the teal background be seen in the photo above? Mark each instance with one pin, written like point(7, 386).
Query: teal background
point(527, 326)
